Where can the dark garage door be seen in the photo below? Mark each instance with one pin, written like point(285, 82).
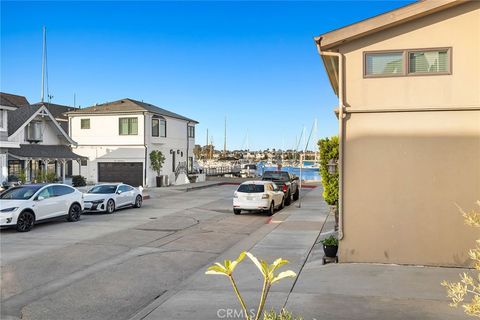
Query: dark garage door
point(126, 172)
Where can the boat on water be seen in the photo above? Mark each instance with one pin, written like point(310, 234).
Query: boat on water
point(249, 170)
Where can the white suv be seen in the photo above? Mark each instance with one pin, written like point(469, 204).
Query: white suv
point(258, 196)
point(23, 206)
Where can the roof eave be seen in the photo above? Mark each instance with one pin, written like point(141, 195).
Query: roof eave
point(383, 21)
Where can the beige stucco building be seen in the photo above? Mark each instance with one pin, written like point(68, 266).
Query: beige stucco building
point(409, 84)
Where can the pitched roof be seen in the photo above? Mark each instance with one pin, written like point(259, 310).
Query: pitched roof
point(38, 151)
point(12, 100)
point(57, 110)
point(16, 118)
point(20, 116)
point(128, 106)
point(383, 21)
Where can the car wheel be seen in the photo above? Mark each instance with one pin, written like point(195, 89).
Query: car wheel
point(271, 211)
point(138, 201)
point(237, 211)
point(25, 221)
point(296, 195)
point(288, 199)
point(110, 206)
point(74, 213)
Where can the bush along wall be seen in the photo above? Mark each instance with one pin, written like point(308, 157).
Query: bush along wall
point(328, 148)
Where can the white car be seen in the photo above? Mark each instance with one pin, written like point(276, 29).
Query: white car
point(111, 196)
point(21, 207)
point(258, 196)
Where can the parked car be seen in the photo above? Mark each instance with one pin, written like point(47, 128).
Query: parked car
point(287, 182)
point(23, 206)
point(258, 196)
point(111, 196)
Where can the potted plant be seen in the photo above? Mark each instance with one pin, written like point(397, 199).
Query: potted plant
point(156, 163)
point(330, 246)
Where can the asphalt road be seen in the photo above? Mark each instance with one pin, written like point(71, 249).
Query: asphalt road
point(110, 266)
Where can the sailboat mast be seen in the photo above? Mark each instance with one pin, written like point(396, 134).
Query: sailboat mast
point(225, 139)
point(43, 63)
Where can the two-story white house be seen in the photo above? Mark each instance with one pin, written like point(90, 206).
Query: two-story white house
point(117, 138)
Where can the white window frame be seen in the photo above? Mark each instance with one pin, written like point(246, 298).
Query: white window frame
point(3, 121)
point(191, 131)
point(89, 123)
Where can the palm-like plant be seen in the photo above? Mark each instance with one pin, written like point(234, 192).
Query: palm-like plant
point(267, 270)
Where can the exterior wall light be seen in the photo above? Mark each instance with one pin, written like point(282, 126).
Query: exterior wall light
point(332, 166)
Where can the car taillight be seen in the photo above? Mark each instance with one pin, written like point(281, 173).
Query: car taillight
point(235, 195)
point(285, 188)
point(265, 196)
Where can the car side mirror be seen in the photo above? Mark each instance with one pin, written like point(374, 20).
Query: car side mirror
point(40, 198)
point(119, 191)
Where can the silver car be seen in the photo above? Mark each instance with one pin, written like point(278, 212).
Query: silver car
point(111, 196)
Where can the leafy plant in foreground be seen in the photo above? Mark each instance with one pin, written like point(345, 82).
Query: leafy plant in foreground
point(330, 241)
point(469, 286)
point(283, 315)
point(267, 270)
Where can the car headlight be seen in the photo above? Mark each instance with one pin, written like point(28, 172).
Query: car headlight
point(9, 209)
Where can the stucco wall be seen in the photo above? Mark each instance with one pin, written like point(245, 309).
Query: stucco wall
point(176, 139)
point(104, 130)
point(458, 28)
point(405, 171)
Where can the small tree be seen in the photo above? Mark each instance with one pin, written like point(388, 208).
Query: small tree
point(329, 151)
point(156, 161)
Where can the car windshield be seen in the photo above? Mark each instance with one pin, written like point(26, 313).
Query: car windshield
point(251, 188)
point(279, 176)
point(103, 189)
point(20, 193)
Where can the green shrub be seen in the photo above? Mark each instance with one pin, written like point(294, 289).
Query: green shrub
point(51, 177)
point(78, 181)
point(330, 241)
point(22, 176)
point(329, 151)
point(156, 161)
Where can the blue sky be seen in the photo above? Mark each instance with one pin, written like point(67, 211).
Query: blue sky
point(253, 62)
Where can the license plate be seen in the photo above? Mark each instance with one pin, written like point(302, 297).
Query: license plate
point(249, 198)
point(88, 205)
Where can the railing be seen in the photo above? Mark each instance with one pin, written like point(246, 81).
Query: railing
point(218, 171)
point(181, 168)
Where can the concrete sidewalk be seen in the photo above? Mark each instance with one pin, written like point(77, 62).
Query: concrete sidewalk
point(333, 291)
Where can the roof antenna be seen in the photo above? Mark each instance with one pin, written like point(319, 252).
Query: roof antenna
point(43, 63)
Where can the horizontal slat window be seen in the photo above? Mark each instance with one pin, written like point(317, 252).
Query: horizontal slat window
point(384, 64)
point(434, 61)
